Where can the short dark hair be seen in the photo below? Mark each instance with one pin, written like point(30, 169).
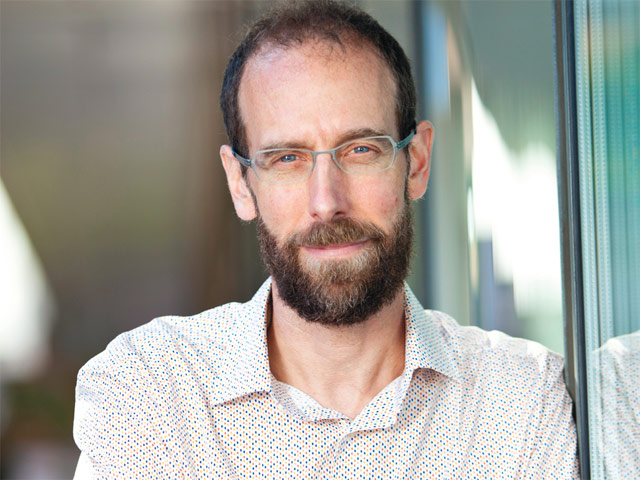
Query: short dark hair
point(295, 22)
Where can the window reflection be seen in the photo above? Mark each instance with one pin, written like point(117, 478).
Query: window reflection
point(617, 364)
point(492, 214)
point(607, 51)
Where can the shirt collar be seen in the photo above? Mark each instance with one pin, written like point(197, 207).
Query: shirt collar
point(246, 368)
point(250, 373)
point(425, 344)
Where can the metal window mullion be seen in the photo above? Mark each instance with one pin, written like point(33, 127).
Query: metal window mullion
point(600, 160)
point(566, 43)
point(615, 164)
point(588, 222)
point(630, 45)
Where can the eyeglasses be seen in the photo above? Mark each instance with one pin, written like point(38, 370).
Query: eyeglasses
point(356, 157)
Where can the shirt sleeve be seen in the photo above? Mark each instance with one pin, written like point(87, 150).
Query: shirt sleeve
point(551, 447)
point(616, 426)
point(117, 425)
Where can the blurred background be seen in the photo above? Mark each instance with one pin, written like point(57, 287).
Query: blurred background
point(114, 207)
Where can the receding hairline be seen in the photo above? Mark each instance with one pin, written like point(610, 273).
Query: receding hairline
point(348, 43)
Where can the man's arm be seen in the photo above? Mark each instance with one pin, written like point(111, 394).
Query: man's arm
point(551, 448)
point(117, 426)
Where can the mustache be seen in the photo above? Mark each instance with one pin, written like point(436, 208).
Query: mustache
point(342, 230)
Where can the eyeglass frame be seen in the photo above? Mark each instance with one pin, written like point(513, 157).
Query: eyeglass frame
point(397, 146)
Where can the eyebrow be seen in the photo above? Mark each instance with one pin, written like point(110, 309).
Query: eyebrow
point(345, 137)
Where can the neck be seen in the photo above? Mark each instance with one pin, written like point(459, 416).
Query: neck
point(344, 367)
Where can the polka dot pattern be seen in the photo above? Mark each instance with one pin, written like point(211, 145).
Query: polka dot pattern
point(615, 409)
point(193, 397)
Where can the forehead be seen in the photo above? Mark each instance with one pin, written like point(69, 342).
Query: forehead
point(315, 91)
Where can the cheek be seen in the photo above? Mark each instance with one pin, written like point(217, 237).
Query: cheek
point(384, 198)
point(280, 210)
point(391, 204)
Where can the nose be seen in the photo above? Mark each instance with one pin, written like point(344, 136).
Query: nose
point(328, 190)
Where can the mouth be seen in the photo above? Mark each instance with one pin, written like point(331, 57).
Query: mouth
point(339, 250)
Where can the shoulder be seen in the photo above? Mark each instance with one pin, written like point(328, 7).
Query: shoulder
point(145, 392)
point(155, 344)
point(148, 379)
point(173, 358)
point(205, 338)
point(620, 352)
point(496, 355)
point(516, 385)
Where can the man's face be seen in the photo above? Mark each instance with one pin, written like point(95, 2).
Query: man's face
point(339, 291)
point(329, 238)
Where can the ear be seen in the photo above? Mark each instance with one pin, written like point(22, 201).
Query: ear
point(238, 185)
point(420, 150)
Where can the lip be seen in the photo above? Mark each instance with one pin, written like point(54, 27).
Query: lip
point(335, 251)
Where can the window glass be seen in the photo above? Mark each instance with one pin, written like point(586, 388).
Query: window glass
point(607, 55)
point(491, 217)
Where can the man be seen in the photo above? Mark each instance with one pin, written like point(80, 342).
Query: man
point(333, 369)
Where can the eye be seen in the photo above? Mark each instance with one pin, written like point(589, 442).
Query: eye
point(288, 158)
point(361, 149)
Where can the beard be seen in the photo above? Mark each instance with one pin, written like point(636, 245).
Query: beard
point(340, 292)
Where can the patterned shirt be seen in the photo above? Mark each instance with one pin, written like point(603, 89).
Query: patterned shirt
point(193, 397)
point(615, 422)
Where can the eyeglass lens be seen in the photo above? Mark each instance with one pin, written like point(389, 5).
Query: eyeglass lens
point(364, 155)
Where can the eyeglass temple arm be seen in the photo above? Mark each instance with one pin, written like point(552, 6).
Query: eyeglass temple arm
point(243, 161)
point(403, 143)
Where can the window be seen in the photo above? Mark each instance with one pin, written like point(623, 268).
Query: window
point(599, 117)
